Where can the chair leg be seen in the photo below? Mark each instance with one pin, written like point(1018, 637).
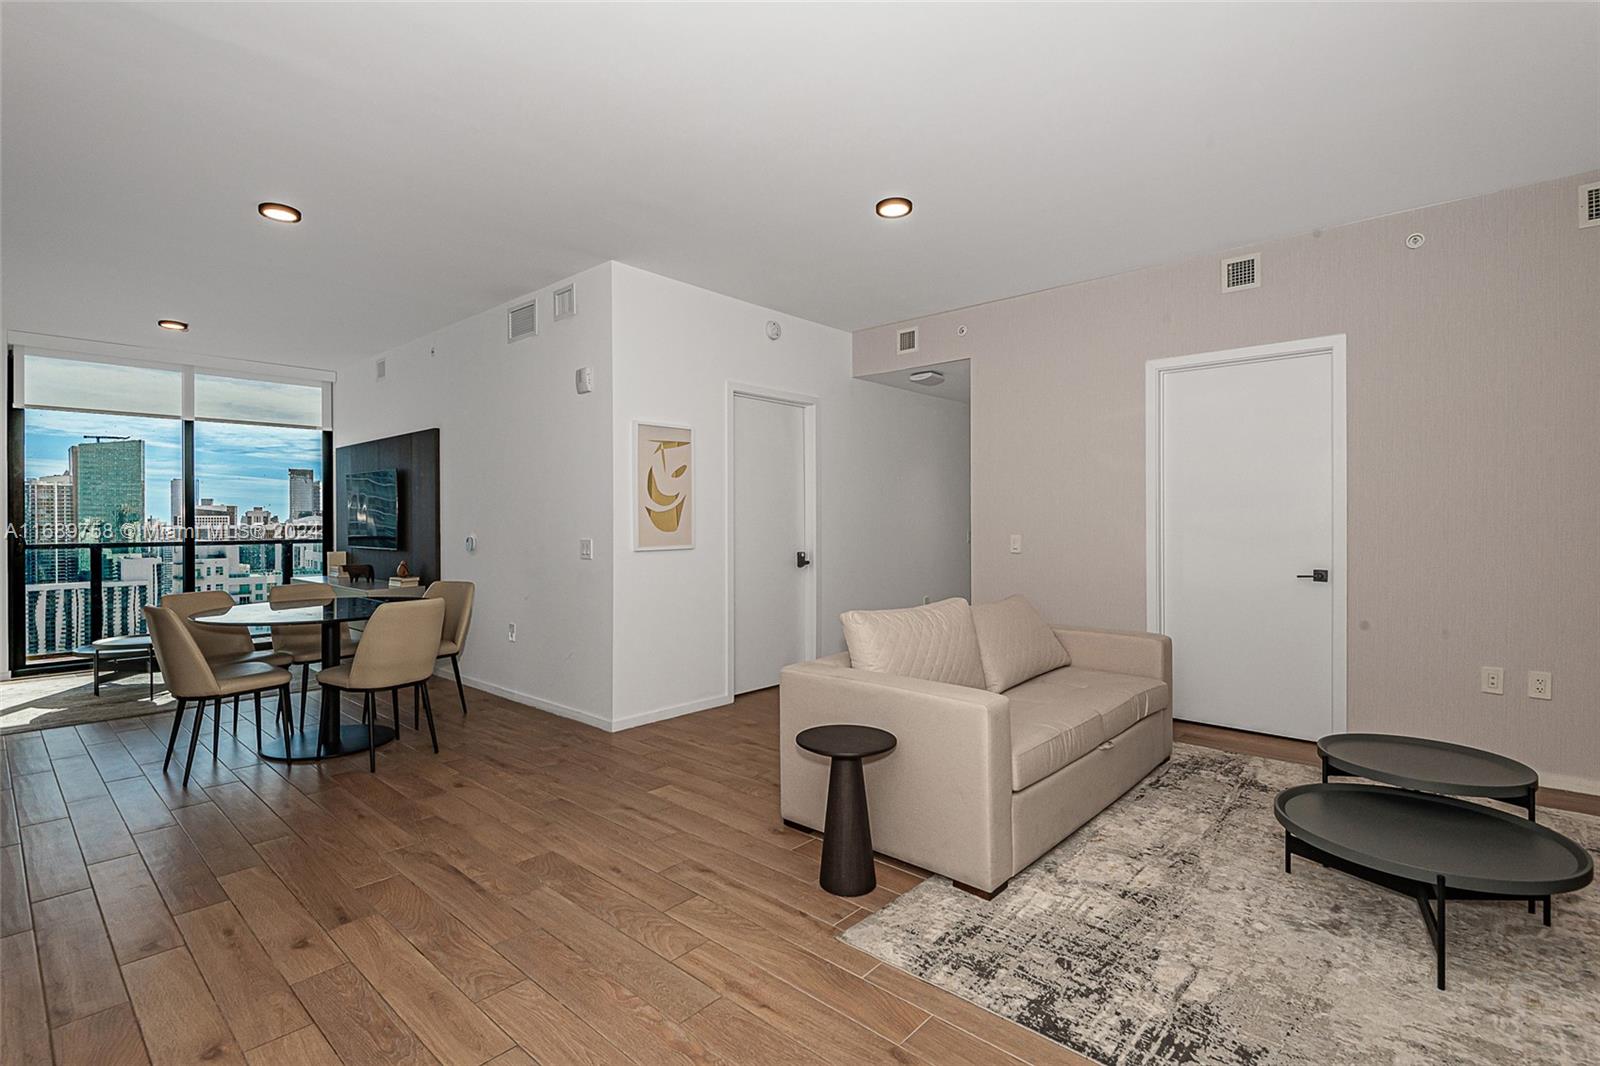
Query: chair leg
point(369, 707)
point(177, 720)
point(257, 695)
point(194, 737)
point(394, 702)
point(305, 679)
point(235, 715)
point(416, 706)
point(216, 730)
point(427, 705)
point(455, 664)
point(285, 717)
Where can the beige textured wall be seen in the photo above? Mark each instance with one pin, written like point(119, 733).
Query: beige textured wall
point(1474, 451)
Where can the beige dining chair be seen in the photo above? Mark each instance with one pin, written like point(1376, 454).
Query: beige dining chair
point(221, 645)
point(302, 642)
point(397, 650)
point(191, 676)
point(457, 597)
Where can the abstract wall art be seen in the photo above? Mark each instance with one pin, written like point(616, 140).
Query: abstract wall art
point(663, 486)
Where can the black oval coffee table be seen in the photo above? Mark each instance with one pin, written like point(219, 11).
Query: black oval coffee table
point(1429, 847)
point(847, 868)
point(1430, 766)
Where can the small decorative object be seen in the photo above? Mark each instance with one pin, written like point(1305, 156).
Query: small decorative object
point(359, 572)
point(663, 475)
point(402, 570)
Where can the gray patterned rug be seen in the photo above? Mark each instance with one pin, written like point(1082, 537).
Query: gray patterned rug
point(1165, 931)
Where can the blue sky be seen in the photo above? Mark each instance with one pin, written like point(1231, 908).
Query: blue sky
point(237, 464)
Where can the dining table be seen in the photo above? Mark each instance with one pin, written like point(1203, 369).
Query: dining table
point(330, 738)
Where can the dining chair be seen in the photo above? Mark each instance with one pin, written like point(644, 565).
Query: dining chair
point(397, 651)
point(303, 642)
point(457, 597)
point(221, 645)
point(191, 676)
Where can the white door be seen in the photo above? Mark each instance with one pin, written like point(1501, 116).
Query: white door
point(1247, 549)
point(769, 528)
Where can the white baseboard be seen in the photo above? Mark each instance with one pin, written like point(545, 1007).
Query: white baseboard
point(539, 703)
point(661, 714)
point(1570, 783)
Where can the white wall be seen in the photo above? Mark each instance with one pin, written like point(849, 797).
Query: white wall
point(525, 467)
point(893, 499)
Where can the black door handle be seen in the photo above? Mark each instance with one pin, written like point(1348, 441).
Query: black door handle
point(1315, 575)
point(802, 560)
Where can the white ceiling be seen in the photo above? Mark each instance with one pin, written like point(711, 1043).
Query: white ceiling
point(449, 157)
point(957, 383)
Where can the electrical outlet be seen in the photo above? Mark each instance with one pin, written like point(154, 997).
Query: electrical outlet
point(1493, 680)
point(1538, 684)
point(511, 632)
point(1016, 544)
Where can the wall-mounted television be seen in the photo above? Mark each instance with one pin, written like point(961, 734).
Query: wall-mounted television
point(372, 509)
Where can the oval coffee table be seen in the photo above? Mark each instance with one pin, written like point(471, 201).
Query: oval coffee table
point(1429, 766)
point(847, 868)
point(1431, 848)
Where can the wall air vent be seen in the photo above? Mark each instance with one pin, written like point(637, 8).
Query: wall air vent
point(907, 341)
point(1241, 273)
point(566, 302)
point(383, 368)
point(522, 322)
point(1590, 215)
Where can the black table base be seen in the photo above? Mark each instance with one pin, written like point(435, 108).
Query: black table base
point(300, 745)
point(847, 868)
point(1430, 897)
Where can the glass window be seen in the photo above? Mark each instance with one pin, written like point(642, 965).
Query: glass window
point(244, 400)
point(132, 579)
point(55, 583)
point(257, 482)
point(244, 571)
point(83, 385)
point(98, 477)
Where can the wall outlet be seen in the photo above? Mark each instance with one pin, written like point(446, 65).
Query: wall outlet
point(1016, 544)
point(511, 632)
point(1493, 680)
point(1538, 684)
point(586, 548)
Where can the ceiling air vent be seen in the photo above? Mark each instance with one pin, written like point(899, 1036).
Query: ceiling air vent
point(1241, 273)
point(566, 302)
point(1591, 205)
point(907, 341)
point(383, 368)
point(522, 322)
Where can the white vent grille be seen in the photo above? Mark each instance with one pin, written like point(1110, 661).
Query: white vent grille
point(1241, 273)
point(383, 368)
point(566, 302)
point(1591, 205)
point(907, 341)
point(522, 322)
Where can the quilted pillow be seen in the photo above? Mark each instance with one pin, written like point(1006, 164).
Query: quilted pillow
point(934, 642)
point(1015, 643)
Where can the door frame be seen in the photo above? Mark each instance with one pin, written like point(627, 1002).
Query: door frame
point(808, 593)
point(1155, 372)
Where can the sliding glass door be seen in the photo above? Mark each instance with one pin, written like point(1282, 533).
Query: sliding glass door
point(129, 481)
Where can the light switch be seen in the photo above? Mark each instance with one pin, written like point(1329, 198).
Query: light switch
point(586, 548)
point(1016, 544)
point(584, 379)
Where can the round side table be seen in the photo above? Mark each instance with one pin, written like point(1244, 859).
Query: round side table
point(847, 842)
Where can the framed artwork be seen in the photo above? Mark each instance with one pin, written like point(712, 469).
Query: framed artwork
point(663, 487)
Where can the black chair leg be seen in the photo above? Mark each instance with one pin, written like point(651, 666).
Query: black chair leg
point(258, 722)
point(285, 717)
point(369, 708)
point(177, 720)
point(305, 679)
point(216, 730)
point(416, 706)
point(427, 705)
point(394, 701)
point(236, 716)
point(455, 664)
point(194, 737)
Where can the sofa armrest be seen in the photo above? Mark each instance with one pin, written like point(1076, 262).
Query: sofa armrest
point(942, 798)
point(1119, 651)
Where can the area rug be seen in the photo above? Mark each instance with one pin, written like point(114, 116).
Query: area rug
point(68, 699)
point(1166, 931)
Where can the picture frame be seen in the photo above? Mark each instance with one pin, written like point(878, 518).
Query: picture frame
point(662, 492)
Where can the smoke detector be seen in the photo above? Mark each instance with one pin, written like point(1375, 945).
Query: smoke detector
point(927, 377)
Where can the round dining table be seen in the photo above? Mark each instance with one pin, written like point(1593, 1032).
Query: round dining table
point(330, 738)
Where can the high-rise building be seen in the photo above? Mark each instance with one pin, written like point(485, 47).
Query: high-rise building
point(305, 493)
point(108, 482)
point(177, 501)
point(213, 520)
point(51, 512)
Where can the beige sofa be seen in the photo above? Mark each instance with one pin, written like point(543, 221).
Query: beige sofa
point(983, 783)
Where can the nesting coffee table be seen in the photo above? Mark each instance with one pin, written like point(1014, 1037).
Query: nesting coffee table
point(1416, 840)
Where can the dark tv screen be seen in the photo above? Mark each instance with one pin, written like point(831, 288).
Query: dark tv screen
point(372, 509)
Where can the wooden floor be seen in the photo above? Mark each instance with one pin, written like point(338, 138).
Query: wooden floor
point(539, 892)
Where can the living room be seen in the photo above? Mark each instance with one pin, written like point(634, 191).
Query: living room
point(917, 533)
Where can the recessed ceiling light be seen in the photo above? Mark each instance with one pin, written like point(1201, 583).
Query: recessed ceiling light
point(279, 212)
point(927, 377)
point(894, 207)
point(174, 325)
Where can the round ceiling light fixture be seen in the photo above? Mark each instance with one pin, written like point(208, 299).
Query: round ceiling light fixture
point(174, 325)
point(927, 377)
point(278, 212)
point(893, 207)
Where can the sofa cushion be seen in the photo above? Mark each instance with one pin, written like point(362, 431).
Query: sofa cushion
point(1015, 643)
point(934, 642)
point(1059, 717)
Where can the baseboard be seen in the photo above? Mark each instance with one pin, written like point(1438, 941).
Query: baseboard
point(528, 699)
point(1570, 783)
point(661, 714)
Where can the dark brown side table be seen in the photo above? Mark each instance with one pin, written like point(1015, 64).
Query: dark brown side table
point(847, 868)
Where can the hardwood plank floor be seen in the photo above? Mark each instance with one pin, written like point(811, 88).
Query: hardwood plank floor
point(538, 892)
